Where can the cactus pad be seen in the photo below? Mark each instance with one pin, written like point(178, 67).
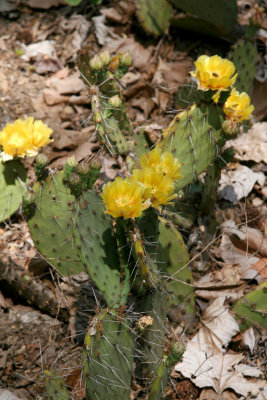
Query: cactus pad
point(154, 16)
point(13, 176)
point(222, 14)
point(251, 309)
point(191, 137)
point(108, 358)
point(244, 56)
point(99, 248)
point(52, 226)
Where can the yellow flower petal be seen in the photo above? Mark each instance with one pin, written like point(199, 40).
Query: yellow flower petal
point(237, 107)
point(23, 138)
point(41, 134)
point(159, 187)
point(214, 73)
point(124, 198)
point(162, 162)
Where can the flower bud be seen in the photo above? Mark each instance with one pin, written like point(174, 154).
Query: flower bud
point(105, 57)
point(74, 179)
point(126, 59)
point(71, 162)
point(95, 164)
point(230, 127)
point(96, 63)
point(41, 160)
point(98, 118)
point(115, 101)
point(83, 168)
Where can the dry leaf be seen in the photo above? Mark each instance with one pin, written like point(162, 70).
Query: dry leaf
point(252, 145)
point(172, 74)
point(218, 327)
point(208, 369)
point(238, 183)
point(249, 239)
point(209, 394)
point(249, 339)
point(234, 256)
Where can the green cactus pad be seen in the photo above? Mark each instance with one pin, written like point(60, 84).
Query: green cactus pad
point(99, 249)
point(13, 177)
point(191, 137)
point(251, 309)
point(222, 14)
point(108, 358)
point(52, 226)
point(244, 56)
point(154, 16)
point(55, 386)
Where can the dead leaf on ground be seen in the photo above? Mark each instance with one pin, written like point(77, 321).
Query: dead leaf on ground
point(238, 183)
point(249, 339)
point(219, 371)
point(209, 394)
point(252, 145)
point(141, 55)
point(45, 5)
point(75, 29)
point(249, 239)
point(218, 327)
point(171, 75)
point(230, 254)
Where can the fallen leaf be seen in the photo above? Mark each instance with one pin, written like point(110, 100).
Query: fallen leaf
point(103, 33)
point(238, 183)
point(141, 55)
point(219, 371)
point(209, 394)
point(52, 97)
point(218, 327)
point(172, 74)
point(249, 239)
point(261, 267)
point(234, 256)
point(249, 339)
point(252, 145)
point(45, 5)
point(69, 85)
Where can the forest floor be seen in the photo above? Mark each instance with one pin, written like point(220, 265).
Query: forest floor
point(43, 82)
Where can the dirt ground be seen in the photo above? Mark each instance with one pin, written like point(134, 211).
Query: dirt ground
point(44, 83)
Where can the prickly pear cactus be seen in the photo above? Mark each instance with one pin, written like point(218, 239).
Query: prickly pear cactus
point(52, 226)
point(55, 386)
point(251, 308)
point(98, 249)
point(13, 177)
point(221, 14)
point(108, 357)
point(191, 137)
point(244, 56)
point(154, 16)
point(99, 75)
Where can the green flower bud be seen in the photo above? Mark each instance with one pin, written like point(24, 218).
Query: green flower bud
point(71, 162)
point(41, 160)
point(105, 57)
point(126, 59)
point(74, 179)
point(230, 127)
point(96, 63)
point(83, 168)
point(115, 101)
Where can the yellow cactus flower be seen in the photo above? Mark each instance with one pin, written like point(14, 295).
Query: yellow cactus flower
point(41, 134)
point(214, 73)
point(151, 159)
point(23, 138)
point(162, 162)
point(159, 187)
point(237, 107)
point(124, 198)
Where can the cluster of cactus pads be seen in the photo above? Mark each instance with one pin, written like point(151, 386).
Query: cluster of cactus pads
point(140, 267)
